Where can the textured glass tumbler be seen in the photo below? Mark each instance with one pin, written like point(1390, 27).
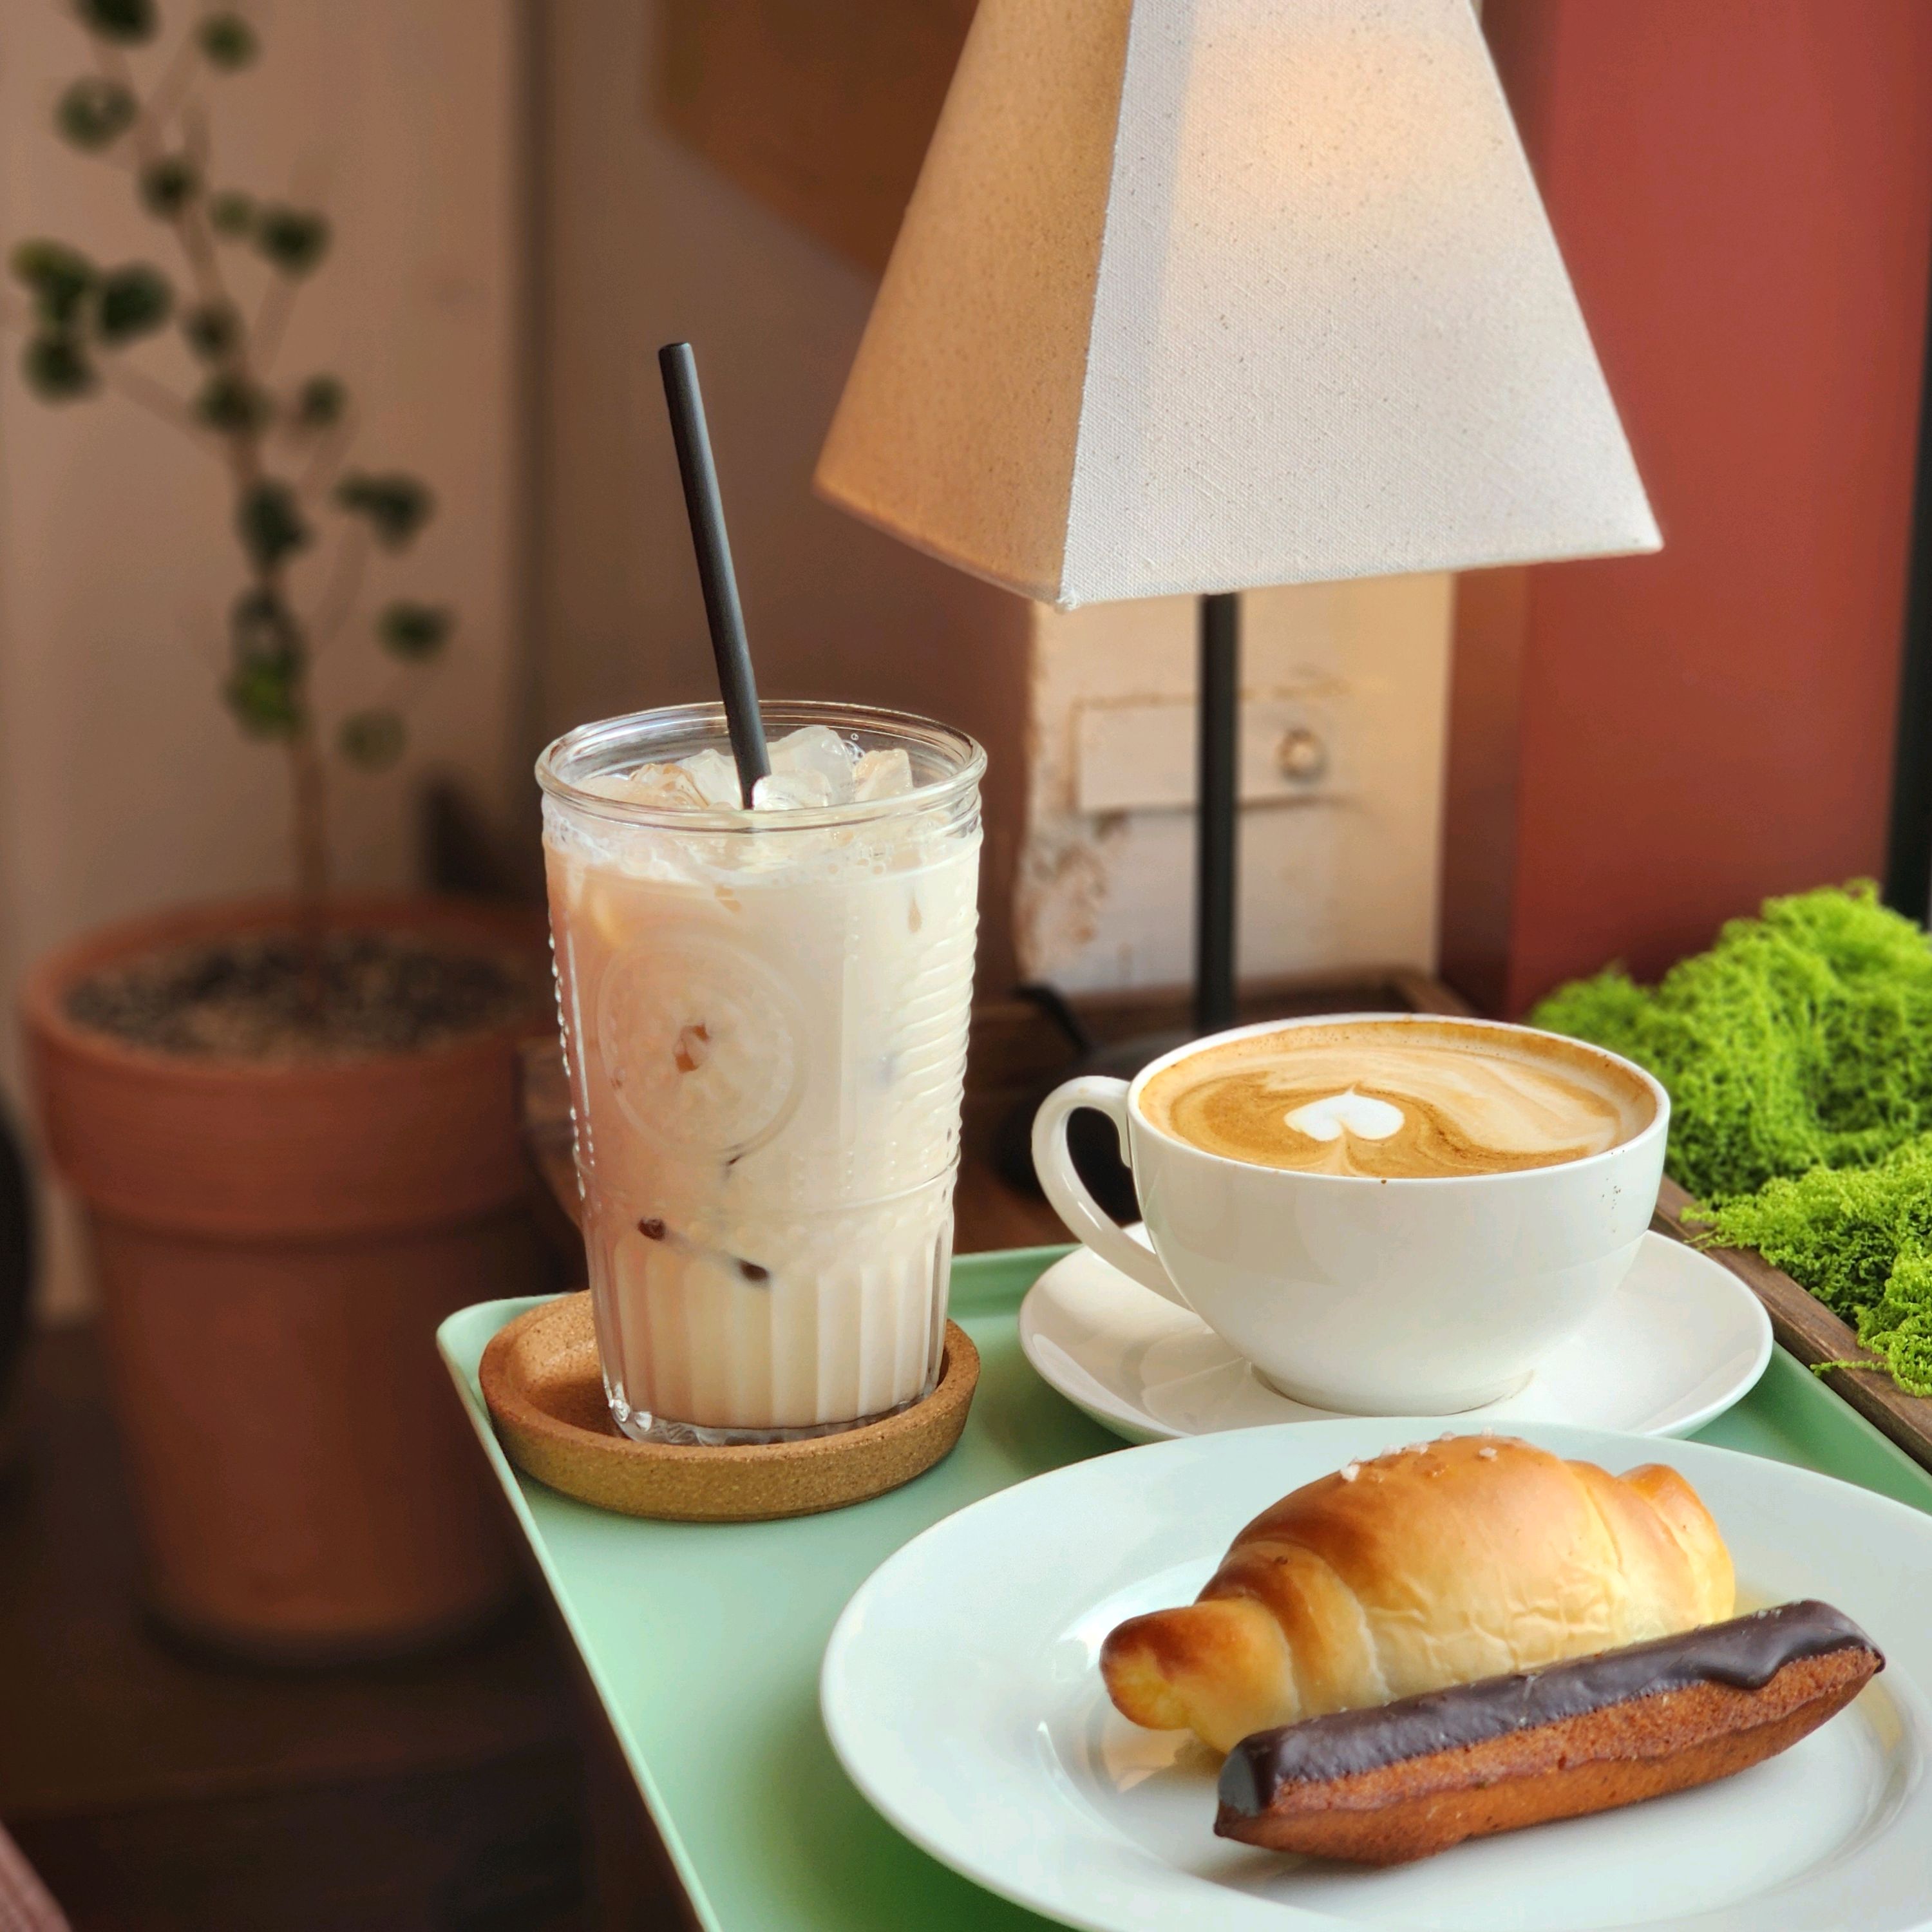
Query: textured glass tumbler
point(765, 1015)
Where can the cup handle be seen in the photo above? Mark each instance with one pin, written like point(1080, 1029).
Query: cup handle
point(1085, 1218)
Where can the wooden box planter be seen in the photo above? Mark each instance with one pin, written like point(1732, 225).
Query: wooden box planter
point(1808, 1329)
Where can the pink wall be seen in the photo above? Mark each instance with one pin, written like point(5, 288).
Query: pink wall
point(1743, 191)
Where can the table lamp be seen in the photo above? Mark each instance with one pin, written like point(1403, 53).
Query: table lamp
point(1200, 295)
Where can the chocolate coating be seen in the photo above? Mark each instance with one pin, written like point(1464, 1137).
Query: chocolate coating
point(1746, 1652)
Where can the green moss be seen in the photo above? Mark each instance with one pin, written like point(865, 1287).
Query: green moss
point(1797, 1054)
point(1861, 1240)
point(1899, 1326)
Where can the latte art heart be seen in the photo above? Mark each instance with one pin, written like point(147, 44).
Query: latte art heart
point(1399, 1099)
point(1361, 1114)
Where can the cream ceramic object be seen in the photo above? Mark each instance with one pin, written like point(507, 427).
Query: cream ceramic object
point(1366, 1297)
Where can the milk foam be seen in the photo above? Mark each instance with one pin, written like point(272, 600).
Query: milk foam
point(1360, 1116)
point(1398, 1099)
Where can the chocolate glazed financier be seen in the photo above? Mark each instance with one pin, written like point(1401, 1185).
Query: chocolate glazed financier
point(1404, 1780)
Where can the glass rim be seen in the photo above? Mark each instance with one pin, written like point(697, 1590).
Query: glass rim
point(792, 712)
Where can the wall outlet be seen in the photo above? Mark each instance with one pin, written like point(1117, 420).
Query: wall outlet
point(1140, 755)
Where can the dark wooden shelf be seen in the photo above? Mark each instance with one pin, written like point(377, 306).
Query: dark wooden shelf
point(156, 1790)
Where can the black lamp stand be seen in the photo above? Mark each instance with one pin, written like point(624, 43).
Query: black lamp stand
point(1217, 814)
point(1089, 1137)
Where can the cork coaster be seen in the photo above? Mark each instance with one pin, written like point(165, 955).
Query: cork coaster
point(540, 1378)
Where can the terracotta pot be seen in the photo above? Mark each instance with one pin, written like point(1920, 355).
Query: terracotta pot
point(275, 1244)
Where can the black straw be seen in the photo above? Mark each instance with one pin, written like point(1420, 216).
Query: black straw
point(722, 608)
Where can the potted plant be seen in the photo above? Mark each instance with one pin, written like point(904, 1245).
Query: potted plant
point(291, 1122)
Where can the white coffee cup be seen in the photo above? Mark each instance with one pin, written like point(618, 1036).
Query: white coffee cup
point(1373, 1296)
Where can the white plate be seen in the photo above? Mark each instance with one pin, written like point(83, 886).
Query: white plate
point(1680, 1341)
point(962, 1693)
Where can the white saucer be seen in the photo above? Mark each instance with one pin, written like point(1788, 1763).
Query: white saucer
point(1680, 1341)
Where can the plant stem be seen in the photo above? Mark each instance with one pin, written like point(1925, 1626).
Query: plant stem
point(344, 586)
point(157, 399)
point(311, 857)
point(271, 319)
point(173, 83)
point(326, 459)
point(254, 347)
point(114, 65)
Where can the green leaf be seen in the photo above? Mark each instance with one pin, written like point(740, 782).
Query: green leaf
point(414, 632)
point(374, 740)
point(396, 505)
point(226, 40)
point(59, 276)
point(231, 213)
point(266, 699)
point(263, 630)
point(168, 185)
point(294, 240)
point(132, 301)
point(320, 402)
point(93, 113)
point(56, 368)
point(126, 21)
point(269, 521)
point(212, 329)
point(233, 406)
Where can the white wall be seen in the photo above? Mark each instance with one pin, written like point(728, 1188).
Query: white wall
point(124, 784)
point(1340, 873)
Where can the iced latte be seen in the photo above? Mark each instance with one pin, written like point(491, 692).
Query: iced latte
point(765, 1015)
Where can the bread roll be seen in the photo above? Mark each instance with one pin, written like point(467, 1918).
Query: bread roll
point(1433, 1565)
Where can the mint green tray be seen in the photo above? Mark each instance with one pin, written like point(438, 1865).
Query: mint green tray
point(703, 1640)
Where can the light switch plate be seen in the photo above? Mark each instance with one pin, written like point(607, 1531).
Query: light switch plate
point(1140, 756)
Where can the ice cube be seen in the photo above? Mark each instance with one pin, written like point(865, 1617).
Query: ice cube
point(882, 775)
point(820, 751)
point(664, 788)
point(606, 785)
point(715, 775)
point(792, 791)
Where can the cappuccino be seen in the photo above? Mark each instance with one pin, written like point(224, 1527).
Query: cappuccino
point(1402, 1099)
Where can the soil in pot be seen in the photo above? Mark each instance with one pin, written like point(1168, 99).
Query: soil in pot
point(266, 996)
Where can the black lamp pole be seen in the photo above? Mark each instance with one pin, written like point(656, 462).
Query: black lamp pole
point(1216, 817)
point(1217, 812)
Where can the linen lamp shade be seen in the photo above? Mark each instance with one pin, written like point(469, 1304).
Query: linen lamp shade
point(1197, 295)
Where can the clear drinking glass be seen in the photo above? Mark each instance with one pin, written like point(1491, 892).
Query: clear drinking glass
point(764, 1014)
